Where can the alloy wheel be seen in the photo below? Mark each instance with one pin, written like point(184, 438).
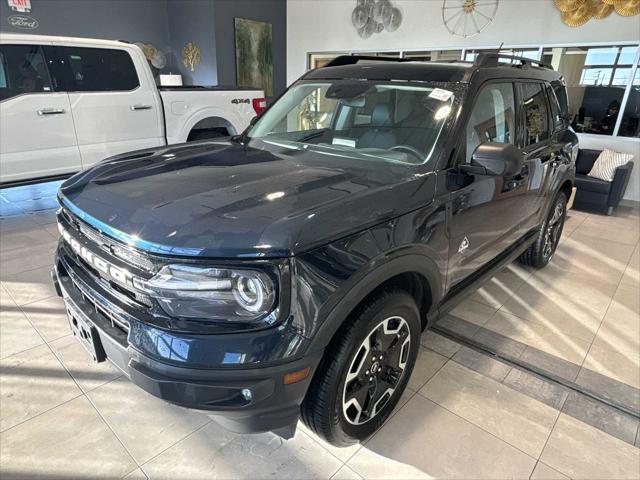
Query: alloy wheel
point(552, 232)
point(376, 370)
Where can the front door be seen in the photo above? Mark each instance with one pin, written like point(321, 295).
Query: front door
point(37, 137)
point(484, 211)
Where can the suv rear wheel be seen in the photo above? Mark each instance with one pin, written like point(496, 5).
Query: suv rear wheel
point(365, 370)
point(542, 249)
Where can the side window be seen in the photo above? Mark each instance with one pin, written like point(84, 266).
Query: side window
point(99, 69)
point(492, 118)
point(23, 69)
point(536, 115)
point(553, 105)
point(561, 95)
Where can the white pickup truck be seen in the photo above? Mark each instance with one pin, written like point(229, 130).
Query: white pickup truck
point(67, 103)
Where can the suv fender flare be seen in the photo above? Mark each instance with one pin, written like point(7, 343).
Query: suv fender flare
point(365, 281)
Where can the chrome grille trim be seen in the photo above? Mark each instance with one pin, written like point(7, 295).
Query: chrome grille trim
point(125, 292)
point(108, 244)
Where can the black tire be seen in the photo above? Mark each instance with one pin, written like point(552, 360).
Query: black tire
point(541, 251)
point(323, 408)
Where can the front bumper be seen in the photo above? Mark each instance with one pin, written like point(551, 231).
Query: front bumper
point(270, 405)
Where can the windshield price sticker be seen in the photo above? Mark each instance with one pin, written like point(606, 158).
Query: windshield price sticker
point(441, 94)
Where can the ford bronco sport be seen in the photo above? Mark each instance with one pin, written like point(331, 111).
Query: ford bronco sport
point(289, 271)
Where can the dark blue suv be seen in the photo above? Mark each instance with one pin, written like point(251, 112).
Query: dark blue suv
point(289, 272)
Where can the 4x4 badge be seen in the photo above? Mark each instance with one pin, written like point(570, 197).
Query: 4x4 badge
point(464, 245)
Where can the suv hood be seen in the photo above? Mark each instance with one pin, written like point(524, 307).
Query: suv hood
point(219, 199)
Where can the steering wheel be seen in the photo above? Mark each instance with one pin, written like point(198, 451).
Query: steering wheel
point(412, 150)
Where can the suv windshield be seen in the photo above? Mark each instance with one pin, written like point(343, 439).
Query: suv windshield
point(358, 119)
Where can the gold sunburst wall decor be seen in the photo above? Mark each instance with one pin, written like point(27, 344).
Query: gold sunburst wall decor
point(191, 56)
point(578, 12)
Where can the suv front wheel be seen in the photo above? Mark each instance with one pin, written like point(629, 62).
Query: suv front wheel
point(542, 249)
point(365, 370)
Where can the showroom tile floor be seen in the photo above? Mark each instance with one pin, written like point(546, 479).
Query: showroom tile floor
point(466, 414)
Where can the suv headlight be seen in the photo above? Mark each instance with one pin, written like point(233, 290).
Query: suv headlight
point(231, 294)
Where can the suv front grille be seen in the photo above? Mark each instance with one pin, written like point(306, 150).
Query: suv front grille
point(91, 302)
point(109, 249)
point(107, 244)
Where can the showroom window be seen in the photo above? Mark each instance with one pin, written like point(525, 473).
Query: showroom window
point(630, 125)
point(596, 78)
point(319, 60)
point(535, 112)
point(533, 54)
point(23, 70)
point(434, 55)
point(492, 118)
point(98, 69)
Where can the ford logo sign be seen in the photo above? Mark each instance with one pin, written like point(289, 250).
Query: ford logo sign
point(23, 21)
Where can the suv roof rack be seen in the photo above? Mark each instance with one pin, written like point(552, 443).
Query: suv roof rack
point(493, 60)
point(353, 59)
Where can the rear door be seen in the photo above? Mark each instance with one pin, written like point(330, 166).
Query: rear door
point(115, 109)
point(37, 137)
point(538, 147)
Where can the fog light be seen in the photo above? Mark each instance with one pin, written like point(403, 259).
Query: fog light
point(246, 393)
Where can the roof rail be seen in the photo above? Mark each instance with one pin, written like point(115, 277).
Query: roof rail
point(353, 59)
point(488, 59)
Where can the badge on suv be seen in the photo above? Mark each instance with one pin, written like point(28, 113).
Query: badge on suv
point(290, 271)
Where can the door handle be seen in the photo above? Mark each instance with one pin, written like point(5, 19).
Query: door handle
point(51, 111)
point(140, 107)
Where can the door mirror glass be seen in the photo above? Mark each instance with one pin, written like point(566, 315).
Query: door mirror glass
point(498, 159)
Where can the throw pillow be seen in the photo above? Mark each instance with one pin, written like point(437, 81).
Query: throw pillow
point(605, 165)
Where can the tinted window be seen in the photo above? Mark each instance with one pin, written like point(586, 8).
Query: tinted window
point(561, 96)
point(630, 126)
point(23, 70)
point(534, 109)
point(553, 105)
point(98, 70)
point(492, 118)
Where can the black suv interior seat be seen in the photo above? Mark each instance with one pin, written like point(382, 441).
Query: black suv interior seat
point(381, 135)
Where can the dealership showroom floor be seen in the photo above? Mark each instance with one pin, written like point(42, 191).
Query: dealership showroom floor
point(535, 376)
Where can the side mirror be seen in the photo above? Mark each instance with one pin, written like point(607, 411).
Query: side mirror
point(498, 159)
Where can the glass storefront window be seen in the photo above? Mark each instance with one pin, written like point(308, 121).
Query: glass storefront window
point(434, 55)
point(596, 79)
point(630, 125)
point(533, 54)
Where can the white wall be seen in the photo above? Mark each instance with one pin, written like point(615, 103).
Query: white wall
point(325, 25)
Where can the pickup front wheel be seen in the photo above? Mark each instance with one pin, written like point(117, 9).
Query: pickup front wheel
point(365, 370)
point(542, 249)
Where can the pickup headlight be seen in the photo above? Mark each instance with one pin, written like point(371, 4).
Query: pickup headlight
point(230, 294)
